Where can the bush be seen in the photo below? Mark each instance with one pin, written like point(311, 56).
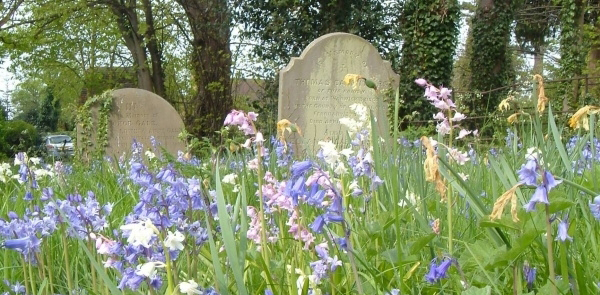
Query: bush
point(19, 136)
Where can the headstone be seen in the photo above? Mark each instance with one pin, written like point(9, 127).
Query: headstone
point(139, 114)
point(312, 93)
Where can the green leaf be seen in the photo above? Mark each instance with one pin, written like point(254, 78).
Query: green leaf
point(561, 285)
point(420, 243)
point(390, 255)
point(487, 290)
point(228, 237)
point(558, 142)
point(519, 246)
point(560, 204)
point(505, 223)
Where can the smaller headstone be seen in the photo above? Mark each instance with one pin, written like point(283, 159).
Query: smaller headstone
point(312, 93)
point(140, 114)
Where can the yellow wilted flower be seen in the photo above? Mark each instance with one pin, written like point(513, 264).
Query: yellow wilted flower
point(285, 125)
point(580, 118)
point(509, 195)
point(432, 174)
point(352, 79)
point(504, 104)
point(542, 99)
point(512, 118)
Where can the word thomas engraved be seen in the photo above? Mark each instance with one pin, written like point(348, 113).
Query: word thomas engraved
point(313, 95)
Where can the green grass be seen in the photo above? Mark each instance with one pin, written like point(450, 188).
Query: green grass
point(390, 246)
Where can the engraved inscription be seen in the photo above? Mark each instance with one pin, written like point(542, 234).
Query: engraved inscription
point(313, 94)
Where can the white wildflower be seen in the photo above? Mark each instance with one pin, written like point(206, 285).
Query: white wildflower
point(464, 177)
point(352, 125)
point(150, 155)
point(230, 178)
point(347, 152)
point(141, 233)
point(35, 160)
point(340, 169)
point(330, 154)
point(361, 110)
point(189, 287)
point(174, 241)
point(410, 197)
point(534, 154)
point(148, 269)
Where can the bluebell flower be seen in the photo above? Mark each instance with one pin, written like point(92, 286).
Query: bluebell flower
point(47, 194)
point(438, 272)
point(528, 173)
point(541, 192)
point(26, 246)
point(393, 292)
point(268, 292)
point(299, 168)
point(595, 207)
point(431, 276)
point(529, 274)
point(17, 288)
point(318, 224)
point(12, 215)
point(563, 234)
point(343, 243)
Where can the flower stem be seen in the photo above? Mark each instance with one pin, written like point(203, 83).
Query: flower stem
point(33, 289)
point(92, 270)
point(449, 192)
point(27, 288)
point(66, 260)
point(263, 225)
point(168, 266)
point(549, 241)
point(449, 206)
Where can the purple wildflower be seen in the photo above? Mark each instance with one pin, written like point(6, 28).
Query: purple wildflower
point(529, 274)
point(438, 272)
point(595, 207)
point(563, 234)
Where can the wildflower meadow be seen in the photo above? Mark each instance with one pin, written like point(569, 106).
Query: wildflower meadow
point(440, 214)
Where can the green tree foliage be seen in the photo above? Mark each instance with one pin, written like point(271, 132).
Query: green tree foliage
point(18, 136)
point(572, 51)
point(536, 20)
point(491, 56)
point(429, 30)
point(282, 29)
point(49, 113)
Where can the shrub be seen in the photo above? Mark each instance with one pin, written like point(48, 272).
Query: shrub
point(18, 135)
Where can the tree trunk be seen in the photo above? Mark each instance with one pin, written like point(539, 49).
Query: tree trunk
point(158, 74)
point(127, 20)
point(538, 59)
point(211, 64)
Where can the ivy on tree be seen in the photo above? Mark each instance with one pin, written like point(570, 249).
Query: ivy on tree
point(491, 60)
point(429, 30)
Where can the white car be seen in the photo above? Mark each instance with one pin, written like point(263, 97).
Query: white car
point(59, 145)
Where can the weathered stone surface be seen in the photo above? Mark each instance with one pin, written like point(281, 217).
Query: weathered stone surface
point(139, 114)
point(313, 95)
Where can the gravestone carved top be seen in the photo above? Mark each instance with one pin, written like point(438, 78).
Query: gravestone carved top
point(140, 114)
point(312, 93)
